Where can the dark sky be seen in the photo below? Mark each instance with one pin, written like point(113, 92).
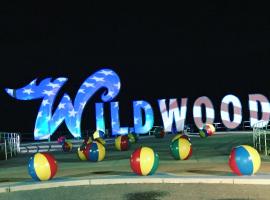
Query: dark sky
point(209, 49)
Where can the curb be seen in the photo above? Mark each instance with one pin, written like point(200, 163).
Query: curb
point(141, 180)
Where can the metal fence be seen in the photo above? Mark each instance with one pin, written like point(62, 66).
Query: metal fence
point(261, 136)
point(9, 144)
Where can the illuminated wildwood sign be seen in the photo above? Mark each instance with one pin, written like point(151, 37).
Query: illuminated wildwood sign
point(172, 110)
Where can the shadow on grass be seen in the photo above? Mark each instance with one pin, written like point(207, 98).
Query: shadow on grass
point(235, 199)
point(150, 195)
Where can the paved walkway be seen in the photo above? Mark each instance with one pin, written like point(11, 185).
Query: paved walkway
point(258, 179)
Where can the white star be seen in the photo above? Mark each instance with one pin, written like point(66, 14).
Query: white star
point(53, 85)
point(48, 92)
point(33, 82)
point(45, 102)
point(118, 85)
point(48, 118)
point(59, 121)
point(86, 84)
point(110, 94)
point(39, 114)
point(106, 72)
point(113, 123)
point(61, 106)
point(10, 91)
point(67, 97)
point(115, 104)
point(135, 120)
point(81, 91)
point(98, 79)
point(83, 104)
point(36, 131)
point(62, 79)
point(72, 113)
point(28, 91)
point(139, 103)
point(147, 107)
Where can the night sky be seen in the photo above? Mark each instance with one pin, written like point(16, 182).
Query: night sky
point(159, 51)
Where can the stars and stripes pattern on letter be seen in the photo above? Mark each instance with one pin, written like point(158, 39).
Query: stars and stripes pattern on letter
point(47, 122)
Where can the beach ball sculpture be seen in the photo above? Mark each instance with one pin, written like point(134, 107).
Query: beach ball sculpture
point(122, 143)
point(181, 149)
point(42, 166)
point(144, 161)
point(159, 132)
point(94, 152)
point(207, 130)
point(81, 153)
point(98, 134)
point(67, 146)
point(179, 135)
point(244, 160)
point(133, 137)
